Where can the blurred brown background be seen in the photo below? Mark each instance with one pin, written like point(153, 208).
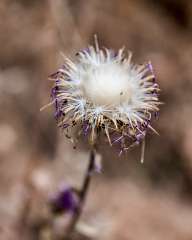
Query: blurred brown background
point(128, 201)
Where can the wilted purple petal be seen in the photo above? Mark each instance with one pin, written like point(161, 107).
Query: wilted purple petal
point(150, 66)
point(140, 137)
point(156, 114)
point(85, 128)
point(58, 114)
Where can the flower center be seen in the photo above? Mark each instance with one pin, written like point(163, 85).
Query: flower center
point(107, 84)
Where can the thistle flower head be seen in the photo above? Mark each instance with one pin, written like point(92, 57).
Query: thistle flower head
point(103, 91)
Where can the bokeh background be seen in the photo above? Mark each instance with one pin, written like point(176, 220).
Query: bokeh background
point(128, 200)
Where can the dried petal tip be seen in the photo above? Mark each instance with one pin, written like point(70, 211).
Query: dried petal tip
point(102, 91)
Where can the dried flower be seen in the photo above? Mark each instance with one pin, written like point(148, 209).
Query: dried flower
point(103, 91)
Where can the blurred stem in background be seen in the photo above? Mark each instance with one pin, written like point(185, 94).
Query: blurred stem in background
point(83, 192)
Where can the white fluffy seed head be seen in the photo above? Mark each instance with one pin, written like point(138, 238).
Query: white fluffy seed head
point(106, 85)
point(106, 91)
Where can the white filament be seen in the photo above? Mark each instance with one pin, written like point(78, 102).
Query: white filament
point(107, 84)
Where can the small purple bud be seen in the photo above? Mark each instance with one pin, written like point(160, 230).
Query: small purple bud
point(65, 200)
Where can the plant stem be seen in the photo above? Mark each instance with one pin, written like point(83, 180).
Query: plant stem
point(83, 192)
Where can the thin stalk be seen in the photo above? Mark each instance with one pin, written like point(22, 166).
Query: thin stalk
point(83, 192)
